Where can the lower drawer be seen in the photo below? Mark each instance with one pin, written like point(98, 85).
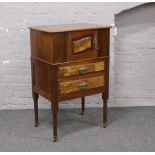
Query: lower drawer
point(81, 84)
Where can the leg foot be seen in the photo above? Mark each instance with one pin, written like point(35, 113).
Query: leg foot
point(54, 126)
point(82, 113)
point(35, 98)
point(36, 124)
point(54, 138)
point(105, 111)
point(55, 117)
point(104, 124)
point(83, 105)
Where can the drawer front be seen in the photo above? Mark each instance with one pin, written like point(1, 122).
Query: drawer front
point(81, 69)
point(81, 84)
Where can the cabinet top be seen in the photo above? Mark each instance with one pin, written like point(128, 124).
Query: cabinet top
point(68, 27)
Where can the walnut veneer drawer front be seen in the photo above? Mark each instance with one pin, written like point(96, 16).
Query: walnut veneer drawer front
point(81, 84)
point(81, 69)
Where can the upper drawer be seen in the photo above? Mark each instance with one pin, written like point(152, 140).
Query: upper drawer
point(81, 69)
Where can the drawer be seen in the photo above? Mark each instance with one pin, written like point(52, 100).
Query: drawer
point(81, 69)
point(81, 84)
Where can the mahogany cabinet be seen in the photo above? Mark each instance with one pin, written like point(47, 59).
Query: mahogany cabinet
point(67, 62)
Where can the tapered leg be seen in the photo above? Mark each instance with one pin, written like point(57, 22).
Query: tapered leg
point(35, 99)
point(83, 105)
point(54, 126)
point(55, 119)
point(105, 111)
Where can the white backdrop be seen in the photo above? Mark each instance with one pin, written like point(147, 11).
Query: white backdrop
point(135, 56)
point(15, 18)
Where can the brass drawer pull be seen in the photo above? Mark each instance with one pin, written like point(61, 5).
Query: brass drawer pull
point(83, 85)
point(96, 45)
point(83, 70)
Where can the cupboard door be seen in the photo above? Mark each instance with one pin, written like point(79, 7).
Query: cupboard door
point(82, 45)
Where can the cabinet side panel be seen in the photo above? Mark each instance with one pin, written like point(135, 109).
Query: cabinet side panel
point(42, 45)
point(42, 78)
point(59, 47)
point(35, 43)
point(103, 41)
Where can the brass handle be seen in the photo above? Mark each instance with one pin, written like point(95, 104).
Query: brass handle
point(83, 85)
point(83, 70)
point(96, 46)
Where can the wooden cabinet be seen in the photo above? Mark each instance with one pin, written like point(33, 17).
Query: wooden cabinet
point(67, 62)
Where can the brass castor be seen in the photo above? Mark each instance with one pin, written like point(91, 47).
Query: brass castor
point(36, 124)
point(82, 113)
point(104, 125)
point(55, 139)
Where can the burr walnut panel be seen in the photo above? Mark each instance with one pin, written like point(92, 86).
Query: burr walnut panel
point(81, 84)
point(82, 44)
point(81, 69)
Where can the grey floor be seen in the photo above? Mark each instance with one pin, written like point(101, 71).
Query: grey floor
point(130, 129)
